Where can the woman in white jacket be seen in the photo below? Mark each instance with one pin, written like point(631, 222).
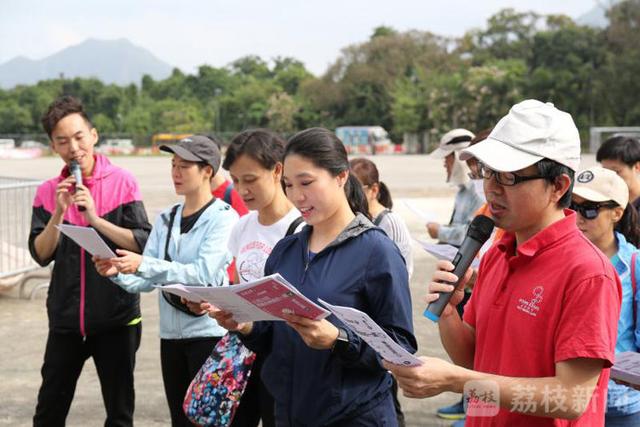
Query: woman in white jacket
point(188, 244)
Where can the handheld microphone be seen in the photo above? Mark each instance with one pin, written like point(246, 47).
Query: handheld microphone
point(74, 169)
point(478, 233)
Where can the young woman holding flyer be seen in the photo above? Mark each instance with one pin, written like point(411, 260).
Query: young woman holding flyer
point(188, 244)
point(254, 161)
point(320, 372)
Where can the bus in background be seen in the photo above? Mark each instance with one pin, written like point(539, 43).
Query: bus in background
point(365, 139)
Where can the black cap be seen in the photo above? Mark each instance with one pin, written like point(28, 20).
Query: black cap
point(196, 148)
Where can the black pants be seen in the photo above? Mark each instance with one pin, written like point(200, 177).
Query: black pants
point(114, 354)
point(181, 360)
point(256, 403)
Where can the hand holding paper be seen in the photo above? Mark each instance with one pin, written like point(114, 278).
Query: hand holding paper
point(317, 334)
point(269, 298)
point(374, 335)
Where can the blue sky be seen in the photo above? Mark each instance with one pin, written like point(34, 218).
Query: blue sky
point(188, 33)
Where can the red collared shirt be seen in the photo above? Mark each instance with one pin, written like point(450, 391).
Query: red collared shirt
point(554, 298)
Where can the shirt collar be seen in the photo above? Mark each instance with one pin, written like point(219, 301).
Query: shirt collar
point(543, 239)
point(625, 252)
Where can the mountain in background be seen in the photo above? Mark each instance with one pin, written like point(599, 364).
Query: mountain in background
point(596, 17)
point(111, 61)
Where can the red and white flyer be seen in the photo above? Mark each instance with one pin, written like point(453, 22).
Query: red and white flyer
point(268, 298)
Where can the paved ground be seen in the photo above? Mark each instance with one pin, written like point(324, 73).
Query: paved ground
point(23, 323)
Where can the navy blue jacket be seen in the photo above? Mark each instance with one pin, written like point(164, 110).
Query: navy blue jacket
point(362, 269)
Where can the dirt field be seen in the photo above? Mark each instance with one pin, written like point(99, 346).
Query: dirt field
point(23, 323)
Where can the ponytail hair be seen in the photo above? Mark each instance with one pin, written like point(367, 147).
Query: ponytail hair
point(323, 148)
point(356, 197)
point(628, 225)
point(367, 174)
point(384, 196)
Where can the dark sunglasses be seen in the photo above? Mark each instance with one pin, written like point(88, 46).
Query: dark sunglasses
point(590, 210)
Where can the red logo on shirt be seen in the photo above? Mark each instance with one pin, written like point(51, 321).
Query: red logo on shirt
point(532, 306)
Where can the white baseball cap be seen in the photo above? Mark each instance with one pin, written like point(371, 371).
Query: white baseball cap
point(454, 140)
point(598, 184)
point(532, 131)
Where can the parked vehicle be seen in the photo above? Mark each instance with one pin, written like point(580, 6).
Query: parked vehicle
point(365, 139)
point(116, 146)
point(7, 144)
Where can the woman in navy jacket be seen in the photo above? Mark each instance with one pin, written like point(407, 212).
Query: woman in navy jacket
point(319, 372)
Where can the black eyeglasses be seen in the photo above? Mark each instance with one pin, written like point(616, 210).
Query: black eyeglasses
point(505, 178)
point(590, 210)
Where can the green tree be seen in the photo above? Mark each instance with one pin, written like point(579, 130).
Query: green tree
point(281, 112)
point(509, 35)
point(14, 118)
point(564, 64)
point(289, 73)
point(620, 74)
point(170, 115)
point(251, 66)
point(103, 123)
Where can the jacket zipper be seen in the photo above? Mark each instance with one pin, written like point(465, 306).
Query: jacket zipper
point(83, 332)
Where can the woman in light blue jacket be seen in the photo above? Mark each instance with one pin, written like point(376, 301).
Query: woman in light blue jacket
point(610, 222)
point(188, 244)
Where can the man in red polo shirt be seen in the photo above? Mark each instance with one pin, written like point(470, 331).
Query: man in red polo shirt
point(538, 335)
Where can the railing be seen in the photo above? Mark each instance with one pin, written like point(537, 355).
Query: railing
point(16, 264)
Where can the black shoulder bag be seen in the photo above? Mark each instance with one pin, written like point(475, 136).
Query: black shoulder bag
point(174, 300)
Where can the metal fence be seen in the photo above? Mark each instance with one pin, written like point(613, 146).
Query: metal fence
point(16, 199)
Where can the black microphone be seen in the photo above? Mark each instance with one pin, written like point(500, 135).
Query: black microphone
point(478, 233)
point(74, 169)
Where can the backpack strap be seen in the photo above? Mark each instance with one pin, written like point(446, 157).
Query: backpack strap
point(171, 299)
point(172, 218)
point(633, 286)
point(377, 220)
point(227, 193)
point(292, 227)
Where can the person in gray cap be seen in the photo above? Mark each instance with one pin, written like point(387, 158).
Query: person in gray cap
point(201, 224)
point(539, 332)
point(468, 200)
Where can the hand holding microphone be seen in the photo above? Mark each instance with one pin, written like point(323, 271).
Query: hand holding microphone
point(478, 233)
point(74, 169)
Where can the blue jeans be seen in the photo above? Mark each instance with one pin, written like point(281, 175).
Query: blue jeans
point(630, 420)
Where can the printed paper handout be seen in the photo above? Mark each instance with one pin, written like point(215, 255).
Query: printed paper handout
point(88, 239)
point(627, 367)
point(427, 217)
point(264, 299)
point(444, 251)
point(373, 334)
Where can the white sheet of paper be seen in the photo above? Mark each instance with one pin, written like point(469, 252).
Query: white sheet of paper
point(231, 299)
point(223, 298)
point(87, 238)
point(627, 367)
point(427, 217)
point(444, 251)
point(374, 335)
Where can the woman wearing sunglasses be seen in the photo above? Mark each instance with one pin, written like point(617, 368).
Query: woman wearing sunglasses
point(601, 199)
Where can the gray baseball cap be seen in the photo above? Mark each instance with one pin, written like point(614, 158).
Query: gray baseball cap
point(196, 148)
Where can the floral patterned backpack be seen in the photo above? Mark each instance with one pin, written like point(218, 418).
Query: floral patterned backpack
point(214, 393)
